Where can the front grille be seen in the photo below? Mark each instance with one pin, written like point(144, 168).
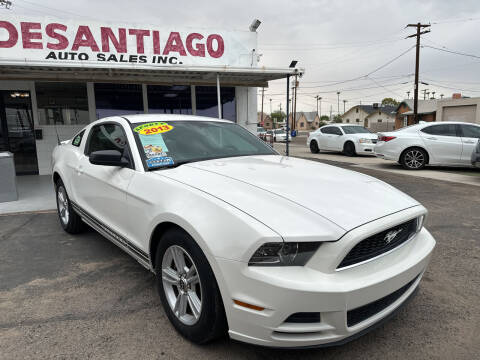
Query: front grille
point(364, 312)
point(380, 243)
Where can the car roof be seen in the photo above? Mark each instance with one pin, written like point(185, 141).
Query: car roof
point(139, 118)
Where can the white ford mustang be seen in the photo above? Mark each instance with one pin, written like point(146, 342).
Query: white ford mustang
point(237, 236)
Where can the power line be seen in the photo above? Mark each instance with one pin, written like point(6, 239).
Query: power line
point(452, 51)
point(448, 21)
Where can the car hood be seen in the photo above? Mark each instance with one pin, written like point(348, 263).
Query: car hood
point(295, 197)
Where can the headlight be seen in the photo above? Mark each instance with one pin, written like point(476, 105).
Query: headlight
point(420, 222)
point(365, 141)
point(283, 254)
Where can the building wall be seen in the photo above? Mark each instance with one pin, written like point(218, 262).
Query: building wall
point(246, 114)
point(380, 121)
point(461, 103)
point(351, 116)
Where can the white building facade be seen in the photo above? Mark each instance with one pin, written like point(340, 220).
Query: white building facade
point(58, 75)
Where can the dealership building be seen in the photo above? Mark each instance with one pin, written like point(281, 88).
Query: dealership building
point(58, 75)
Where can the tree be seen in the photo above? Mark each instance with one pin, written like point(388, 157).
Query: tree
point(390, 101)
point(337, 119)
point(278, 116)
point(325, 118)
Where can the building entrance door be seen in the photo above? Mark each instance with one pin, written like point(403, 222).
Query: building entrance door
point(16, 130)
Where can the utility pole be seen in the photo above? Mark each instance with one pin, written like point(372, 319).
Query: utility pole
point(320, 108)
point(330, 113)
point(419, 26)
point(263, 93)
point(270, 107)
point(338, 102)
point(408, 94)
point(425, 94)
point(344, 101)
point(317, 97)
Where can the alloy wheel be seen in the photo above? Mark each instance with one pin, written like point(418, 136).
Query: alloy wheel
point(181, 284)
point(414, 159)
point(62, 201)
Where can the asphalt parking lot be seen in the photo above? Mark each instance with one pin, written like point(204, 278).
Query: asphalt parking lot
point(64, 296)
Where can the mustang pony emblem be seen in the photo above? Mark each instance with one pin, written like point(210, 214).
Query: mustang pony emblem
point(392, 235)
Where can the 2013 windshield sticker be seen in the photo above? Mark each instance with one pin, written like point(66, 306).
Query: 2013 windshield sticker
point(153, 128)
point(159, 161)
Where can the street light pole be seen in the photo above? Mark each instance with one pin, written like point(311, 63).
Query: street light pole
point(344, 101)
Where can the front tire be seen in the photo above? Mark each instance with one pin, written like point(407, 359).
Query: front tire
point(314, 147)
point(188, 288)
point(414, 159)
point(349, 149)
point(69, 219)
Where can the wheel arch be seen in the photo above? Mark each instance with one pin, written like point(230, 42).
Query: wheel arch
point(56, 176)
point(427, 160)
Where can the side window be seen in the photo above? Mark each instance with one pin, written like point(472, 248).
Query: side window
point(337, 131)
point(441, 130)
point(77, 140)
point(106, 137)
point(470, 131)
point(326, 130)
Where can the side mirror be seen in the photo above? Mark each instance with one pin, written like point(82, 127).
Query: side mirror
point(108, 158)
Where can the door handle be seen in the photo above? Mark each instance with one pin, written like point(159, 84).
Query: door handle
point(468, 142)
point(431, 138)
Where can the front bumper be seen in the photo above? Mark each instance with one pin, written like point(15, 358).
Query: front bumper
point(365, 148)
point(284, 291)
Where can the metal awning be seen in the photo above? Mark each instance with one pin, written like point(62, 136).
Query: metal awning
point(230, 76)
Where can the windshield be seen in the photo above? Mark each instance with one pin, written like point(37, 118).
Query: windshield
point(279, 131)
point(260, 129)
point(172, 143)
point(355, 130)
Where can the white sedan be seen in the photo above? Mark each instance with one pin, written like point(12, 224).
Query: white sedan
point(237, 240)
point(438, 143)
point(349, 139)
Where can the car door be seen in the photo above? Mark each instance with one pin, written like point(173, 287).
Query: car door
point(335, 141)
point(101, 190)
point(324, 136)
point(470, 134)
point(443, 143)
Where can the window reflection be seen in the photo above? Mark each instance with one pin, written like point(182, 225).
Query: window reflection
point(207, 102)
point(118, 99)
point(176, 99)
point(62, 103)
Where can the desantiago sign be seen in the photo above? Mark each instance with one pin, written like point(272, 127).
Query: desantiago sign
point(57, 42)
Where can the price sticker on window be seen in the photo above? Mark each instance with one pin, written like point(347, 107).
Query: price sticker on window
point(153, 128)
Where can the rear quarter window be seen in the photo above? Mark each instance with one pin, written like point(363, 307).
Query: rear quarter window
point(77, 140)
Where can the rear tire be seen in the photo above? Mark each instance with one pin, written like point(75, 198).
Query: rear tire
point(414, 159)
point(69, 219)
point(189, 294)
point(314, 147)
point(349, 149)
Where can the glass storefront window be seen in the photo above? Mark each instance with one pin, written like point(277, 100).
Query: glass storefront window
point(118, 99)
point(62, 103)
point(176, 99)
point(206, 97)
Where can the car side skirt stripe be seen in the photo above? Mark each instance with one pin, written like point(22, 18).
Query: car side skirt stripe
point(124, 244)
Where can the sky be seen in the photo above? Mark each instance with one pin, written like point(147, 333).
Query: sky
point(334, 41)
